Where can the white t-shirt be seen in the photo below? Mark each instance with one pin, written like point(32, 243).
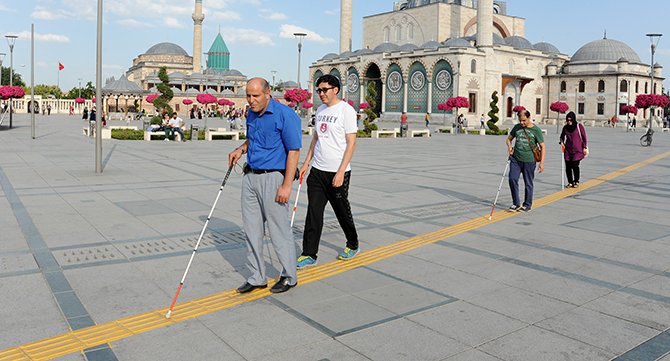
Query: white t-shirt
point(332, 125)
point(176, 122)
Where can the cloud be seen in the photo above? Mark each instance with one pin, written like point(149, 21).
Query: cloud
point(272, 15)
point(42, 13)
point(132, 23)
point(42, 64)
point(173, 23)
point(4, 8)
point(332, 12)
point(247, 36)
point(83, 9)
point(112, 66)
point(50, 38)
point(224, 16)
point(287, 32)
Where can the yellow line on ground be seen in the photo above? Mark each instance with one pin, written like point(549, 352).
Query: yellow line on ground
point(79, 340)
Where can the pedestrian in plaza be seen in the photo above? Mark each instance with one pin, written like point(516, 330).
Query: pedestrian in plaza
point(481, 121)
point(192, 113)
point(403, 118)
point(44, 109)
point(49, 109)
point(176, 123)
point(331, 150)
point(634, 123)
point(614, 121)
point(573, 143)
point(274, 139)
point(84, 115)
point(522, 161)
point(427, 119)
point(167, 128)
point(199, 113)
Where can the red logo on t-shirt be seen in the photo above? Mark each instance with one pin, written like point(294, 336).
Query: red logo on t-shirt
point(324, 126)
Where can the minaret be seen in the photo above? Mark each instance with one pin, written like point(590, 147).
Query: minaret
point(198, 17)
point(485, 23)
point(346, 15)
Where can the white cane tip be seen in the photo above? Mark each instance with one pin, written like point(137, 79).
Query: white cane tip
point(167, 315)
point(489, 218)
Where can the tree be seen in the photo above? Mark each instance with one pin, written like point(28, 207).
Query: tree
point(163, 101)
point(18, 81)
point(493, 118)
point(44, 90)
point(87, 92)
point(370, 115)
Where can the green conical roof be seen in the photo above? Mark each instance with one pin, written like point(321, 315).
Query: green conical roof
point(219, 45)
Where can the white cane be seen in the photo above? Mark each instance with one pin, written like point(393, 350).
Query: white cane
point(562, 167)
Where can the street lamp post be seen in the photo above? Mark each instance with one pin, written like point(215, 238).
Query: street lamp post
point(274, 72)
point(2, 58)
point(653, 50)
point(79, 87)
point(299, 37)
point(11, 39)
point(558, 115)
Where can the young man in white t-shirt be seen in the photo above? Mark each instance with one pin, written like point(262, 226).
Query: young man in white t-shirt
point(331, 149)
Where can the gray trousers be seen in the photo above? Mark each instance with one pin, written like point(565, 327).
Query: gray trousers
point(259, 192)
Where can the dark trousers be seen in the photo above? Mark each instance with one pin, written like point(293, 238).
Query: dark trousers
point(572, 171)
point(320, 191)
point(517, 168)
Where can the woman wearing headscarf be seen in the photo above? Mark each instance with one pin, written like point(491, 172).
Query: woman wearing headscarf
point(573, 143)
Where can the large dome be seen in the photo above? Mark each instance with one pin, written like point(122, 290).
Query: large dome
point(166, 49)
point(604, 51)
point(518, 42)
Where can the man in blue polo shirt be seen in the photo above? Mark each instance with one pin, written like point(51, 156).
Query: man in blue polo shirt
point(274, 139)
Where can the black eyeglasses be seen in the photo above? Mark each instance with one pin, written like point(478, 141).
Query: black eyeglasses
point(323, 90)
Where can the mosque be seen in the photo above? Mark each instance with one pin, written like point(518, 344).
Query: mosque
point(425, 51)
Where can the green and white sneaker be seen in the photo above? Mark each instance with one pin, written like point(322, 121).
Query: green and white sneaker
point(305, 262)
point(348, 254)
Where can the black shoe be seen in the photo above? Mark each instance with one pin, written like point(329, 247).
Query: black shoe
point(248, 287)
point(282, 285)
point(524, 209)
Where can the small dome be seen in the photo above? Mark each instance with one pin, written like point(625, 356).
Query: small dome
point(192, 91)
point(195, 76)
point(153, 74)
point(386, 48)
point(518, 42)
point(408, 47)
point(211, 71)
point(622, 60)
point(363, 51)
point(604, 51)
point(176, 75)
point(289, 84)
point(347, 54)
point(546, 48)
point(497, 39)
point(211, 91)
point(458, 43)
point(277, 94)
point(233, 72)
point(330, 56)
point(552, 64)
point(242, 91)
point(166, 49)
point(175, 89)
point(657, 65)
point(431, 45)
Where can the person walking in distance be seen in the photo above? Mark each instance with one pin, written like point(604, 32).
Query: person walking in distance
point(330, 151)
point(573, 142)
point(274, 139)
point(522, 161)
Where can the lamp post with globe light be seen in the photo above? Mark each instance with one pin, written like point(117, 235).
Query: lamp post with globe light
point(11, 39)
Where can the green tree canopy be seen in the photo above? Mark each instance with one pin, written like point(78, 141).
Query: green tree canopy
point(18, 81)
point(163, 101)
point(44, 90)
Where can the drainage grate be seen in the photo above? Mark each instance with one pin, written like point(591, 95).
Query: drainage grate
point(377, 219)
point(86, 255)
point(149, 248)
point(215, 239)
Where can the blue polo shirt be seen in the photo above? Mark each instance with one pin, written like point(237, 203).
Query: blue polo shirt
point(272, 135)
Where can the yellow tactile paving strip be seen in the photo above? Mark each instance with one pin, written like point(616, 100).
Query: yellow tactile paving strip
point(79, 340)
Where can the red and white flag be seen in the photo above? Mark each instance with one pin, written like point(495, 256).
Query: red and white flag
point(60, 66)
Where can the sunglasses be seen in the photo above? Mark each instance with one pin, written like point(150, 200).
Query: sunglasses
point(323, 90)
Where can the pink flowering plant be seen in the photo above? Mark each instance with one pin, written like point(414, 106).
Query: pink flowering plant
point(187, 101)
point(307, 105)
point(291, 105)
point(458, 102)
point(644, 101)
point(518, 108)
point(297, 96)
point(363, 105)
point(7, 92)
point(149, 98)
point(559, 107)
point(206, 98)
point(79, 100)
point(628, 109)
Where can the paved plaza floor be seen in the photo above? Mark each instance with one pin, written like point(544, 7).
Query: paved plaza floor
point(89, 263)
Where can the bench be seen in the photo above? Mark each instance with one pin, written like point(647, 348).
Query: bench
point(131, 127)
point(106, 133)
point(376, 133)
point(425, 133)
point(665, 130)
point(209, 133)
point(148, 135)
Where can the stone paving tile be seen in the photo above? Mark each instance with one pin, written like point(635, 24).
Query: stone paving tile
point(597, 329)
point(563, 288)
point(467, 323)
point(650, 313)
point(472, 355)
point(533, 343)
point(402, 340)
point(320, 351)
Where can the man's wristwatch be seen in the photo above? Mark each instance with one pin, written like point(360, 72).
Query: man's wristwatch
point(241, 149)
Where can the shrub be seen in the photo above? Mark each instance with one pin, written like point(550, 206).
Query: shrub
point(127, 134)
point(362, 134)
point(493, 118)
point(156, 120)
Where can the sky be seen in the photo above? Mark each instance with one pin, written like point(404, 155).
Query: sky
point(259, 33)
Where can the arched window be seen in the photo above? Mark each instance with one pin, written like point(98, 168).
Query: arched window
point(386, 35)
point(623, 86)
point(563, 87)
point(637, 86)
point(410, 32)
point(654, 88)
point(646, 87)
point(398, 33)
point(473, 66)
point(582, 86)
point(601, 86)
